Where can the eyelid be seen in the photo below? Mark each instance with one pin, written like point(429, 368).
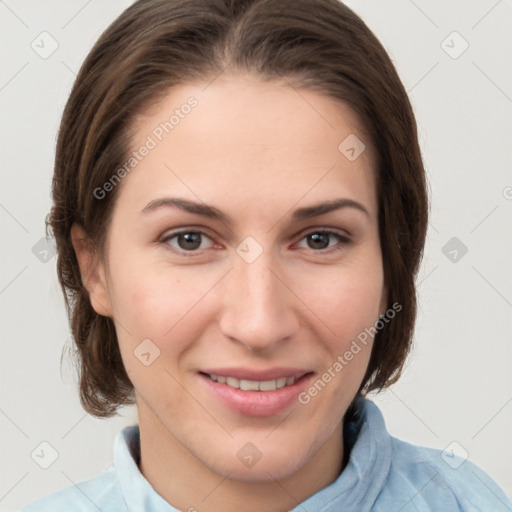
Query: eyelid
point(164, 239)
point(186, 229)
point(343, 236)
point(344, 239)
point(335, 231)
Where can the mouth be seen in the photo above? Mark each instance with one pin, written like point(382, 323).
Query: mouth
point(253, 385)
point(256, 393)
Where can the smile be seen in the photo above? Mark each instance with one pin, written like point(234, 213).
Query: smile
point(256, 392)
point(253, 385)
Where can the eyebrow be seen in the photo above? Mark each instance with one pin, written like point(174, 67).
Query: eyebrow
point(214, 213)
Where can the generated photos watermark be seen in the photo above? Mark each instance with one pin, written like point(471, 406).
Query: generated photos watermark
point(343, 360)
point(157, 135)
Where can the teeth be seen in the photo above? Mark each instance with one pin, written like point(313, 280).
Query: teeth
point(249, 385)
point(281, 382)
point(254, 385)
point(234, 383)
point(268, 385)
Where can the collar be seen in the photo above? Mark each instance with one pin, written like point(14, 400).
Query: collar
point(355, 489)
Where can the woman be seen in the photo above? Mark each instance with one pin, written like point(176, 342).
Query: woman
point(240, 211)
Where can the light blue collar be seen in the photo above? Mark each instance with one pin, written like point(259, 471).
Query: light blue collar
point(356, 488)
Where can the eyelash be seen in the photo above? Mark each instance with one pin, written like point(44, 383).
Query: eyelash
point(343, 241)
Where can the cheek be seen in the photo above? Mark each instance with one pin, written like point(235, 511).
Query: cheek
point(159, 309)
point(346, 300)
point(164, 305)
point(350, 309)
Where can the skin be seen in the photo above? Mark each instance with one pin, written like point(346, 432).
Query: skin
point(257, 151)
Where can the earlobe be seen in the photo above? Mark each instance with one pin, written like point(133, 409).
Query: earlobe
point(92, 272)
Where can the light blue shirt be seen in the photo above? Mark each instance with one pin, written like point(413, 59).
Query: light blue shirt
point(383, 474)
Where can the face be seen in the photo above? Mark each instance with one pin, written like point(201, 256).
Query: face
point(220, 274)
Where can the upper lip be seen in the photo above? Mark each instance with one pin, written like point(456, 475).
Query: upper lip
point(258, 375)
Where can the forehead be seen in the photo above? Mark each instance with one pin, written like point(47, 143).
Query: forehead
point(244, 137)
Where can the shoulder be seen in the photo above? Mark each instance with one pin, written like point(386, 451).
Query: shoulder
point(437, 479)
point(413, 478)
point(101, 492)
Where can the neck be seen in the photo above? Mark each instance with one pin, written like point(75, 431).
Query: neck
point(189, 485)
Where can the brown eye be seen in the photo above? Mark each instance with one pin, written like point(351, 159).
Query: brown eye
point(186, 240)
point(320, 240)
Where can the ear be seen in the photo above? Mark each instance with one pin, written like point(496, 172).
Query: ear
point(92, 271)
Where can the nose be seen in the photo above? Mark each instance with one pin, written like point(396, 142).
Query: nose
point(258, 304)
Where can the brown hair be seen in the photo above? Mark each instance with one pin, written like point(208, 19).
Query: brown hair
point(156, 44)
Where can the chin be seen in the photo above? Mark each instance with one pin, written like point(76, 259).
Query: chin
point(261, 471)
point(264, 464)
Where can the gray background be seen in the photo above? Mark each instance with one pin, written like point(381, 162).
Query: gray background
point(457, 389)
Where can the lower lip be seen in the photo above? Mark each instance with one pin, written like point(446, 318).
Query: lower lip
point(257, 403)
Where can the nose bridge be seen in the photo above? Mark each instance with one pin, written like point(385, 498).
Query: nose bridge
point(256, 308)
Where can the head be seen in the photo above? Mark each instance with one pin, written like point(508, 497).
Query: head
point(258, 110)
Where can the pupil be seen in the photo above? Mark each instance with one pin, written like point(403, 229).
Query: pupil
point(319, 238)
point(191, 240)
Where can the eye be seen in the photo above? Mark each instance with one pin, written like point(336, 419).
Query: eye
point(188, 241)
point(321, 240)
point(194, 241)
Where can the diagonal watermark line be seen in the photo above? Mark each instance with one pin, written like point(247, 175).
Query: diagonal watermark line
point(215, 77)
point(492, 211)
point(198, 301)
point(79, 278)
point(14, 423)
point(72, 428)
point(12, 280)
point(424, 13)
point(491, 80)
point(12, 12)
point(486, 14)
point(421, 79)
point(282, 421)
point(14, 218)
point(297, 503)
point(433, 227)
point(506, 504)
point(428, 275)
point(301, 300)
point(14, 76)
point(493, 287)
point(300, 199)
point(503, 407)
point(68, 68)
point(198, 402)
point(413, 413)
point(215, 488)
point(14, 485)
point(299, 94)
point(76, 14)
point(81, 490)
point(116, 322)
point(412, 497)
point(193, 192)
